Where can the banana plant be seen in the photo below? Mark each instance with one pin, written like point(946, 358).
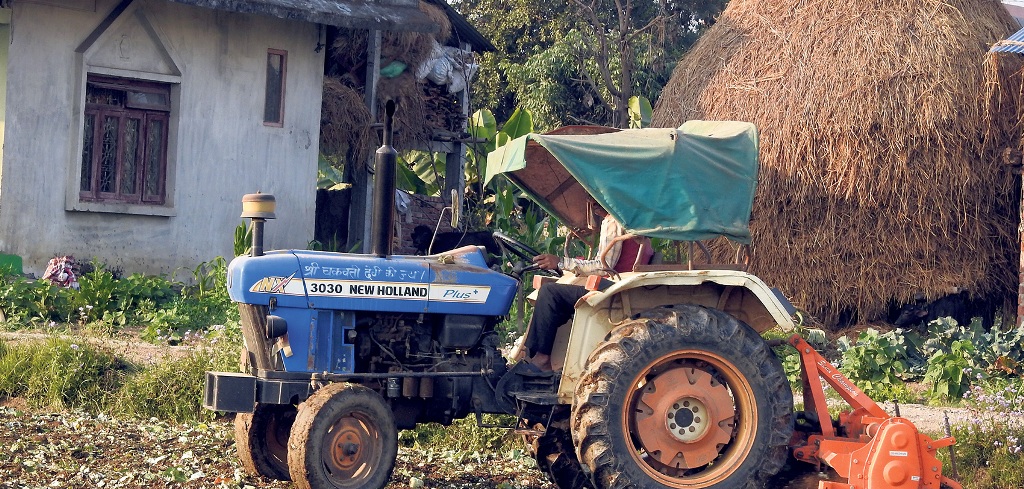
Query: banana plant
point(640, 112)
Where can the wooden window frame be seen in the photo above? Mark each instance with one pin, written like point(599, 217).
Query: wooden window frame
point(267, 101)
point(91, 181)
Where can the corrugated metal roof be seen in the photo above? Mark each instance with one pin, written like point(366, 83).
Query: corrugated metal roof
point(1012, 44)
point(394, 15)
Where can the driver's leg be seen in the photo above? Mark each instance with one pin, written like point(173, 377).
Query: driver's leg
point(555, 305)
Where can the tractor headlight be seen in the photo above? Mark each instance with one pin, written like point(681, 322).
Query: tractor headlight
point(276, 326)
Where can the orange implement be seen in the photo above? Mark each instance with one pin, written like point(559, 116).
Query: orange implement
point(869, 448)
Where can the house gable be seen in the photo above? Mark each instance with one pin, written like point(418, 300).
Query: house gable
point(128, 44)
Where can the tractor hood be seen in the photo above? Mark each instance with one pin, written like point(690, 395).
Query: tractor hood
point(691, 183)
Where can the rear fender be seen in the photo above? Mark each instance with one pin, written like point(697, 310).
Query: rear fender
point(740, 294)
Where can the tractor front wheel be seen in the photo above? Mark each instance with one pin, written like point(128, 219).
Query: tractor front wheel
point(344, 436)
point(684, 397)
point(261, 439)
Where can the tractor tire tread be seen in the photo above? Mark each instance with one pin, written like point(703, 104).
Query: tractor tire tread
point(591, 417)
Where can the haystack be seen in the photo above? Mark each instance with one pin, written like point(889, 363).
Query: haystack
point(418, 102)
point(881, 172)
point(344, 120)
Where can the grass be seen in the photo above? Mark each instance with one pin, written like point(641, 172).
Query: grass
point(58, 374)
point(61, 374)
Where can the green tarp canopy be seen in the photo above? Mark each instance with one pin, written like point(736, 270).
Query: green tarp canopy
point(692, 183)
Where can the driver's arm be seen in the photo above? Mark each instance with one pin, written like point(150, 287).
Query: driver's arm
point(610, 229)
point(547, 261)
point(577, 266)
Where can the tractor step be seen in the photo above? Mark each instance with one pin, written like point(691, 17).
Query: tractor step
point(541, 398)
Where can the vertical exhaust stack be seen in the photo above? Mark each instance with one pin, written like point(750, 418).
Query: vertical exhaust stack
point(258, 207)
point(383, 217)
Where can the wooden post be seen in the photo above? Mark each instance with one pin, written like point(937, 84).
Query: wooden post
point(362, 181)
point(455, 174)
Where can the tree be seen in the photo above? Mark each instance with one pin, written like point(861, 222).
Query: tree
point(518, 29)
point(631, 43)
point(582, 60)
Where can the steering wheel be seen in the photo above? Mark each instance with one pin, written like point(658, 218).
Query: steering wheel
point(522, 250)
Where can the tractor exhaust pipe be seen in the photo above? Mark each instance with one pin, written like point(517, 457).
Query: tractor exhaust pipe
point(383, 217)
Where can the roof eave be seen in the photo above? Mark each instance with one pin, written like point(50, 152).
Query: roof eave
point(350, 14)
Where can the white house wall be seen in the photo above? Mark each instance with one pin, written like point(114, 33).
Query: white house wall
point(219, 148)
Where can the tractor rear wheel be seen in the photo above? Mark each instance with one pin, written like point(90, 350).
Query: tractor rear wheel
point(261, 439)
point(344, 436)
point(683, 397)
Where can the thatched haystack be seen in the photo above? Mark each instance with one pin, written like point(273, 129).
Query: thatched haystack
point(344, 120)
point(881, 171)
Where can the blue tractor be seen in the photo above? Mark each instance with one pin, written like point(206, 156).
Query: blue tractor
point(663, 379)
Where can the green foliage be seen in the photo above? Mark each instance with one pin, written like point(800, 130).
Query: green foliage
point(102, 301)
point(463, 436)
point(64, 374)
point(520, 123)
point(105, 303)
point(987, 458)
point(874, 362)
point(243, 239)
point(518, 28)
point(407, 177)
point(789, 356)
point(549, 85)
point(115, 302)
point(880, 363)
point(27, 302)
point(424, 172)
point(209, 280)
point(945, 372)
point(483, 125)
point(791, 364)
point(330, 175)
point(333, 244)
point(59, 374)
point(548, 54)
point(203, 302)
point(993, 351)
point(640, 112)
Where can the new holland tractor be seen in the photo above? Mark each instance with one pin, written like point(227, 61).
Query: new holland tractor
point(663, 379)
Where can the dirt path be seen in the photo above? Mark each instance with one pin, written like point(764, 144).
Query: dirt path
point(128, 345)
point(930, 420)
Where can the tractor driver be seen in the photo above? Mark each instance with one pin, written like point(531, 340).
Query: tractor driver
point(556, 302)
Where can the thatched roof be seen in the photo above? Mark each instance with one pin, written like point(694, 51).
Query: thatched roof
point(881, 174)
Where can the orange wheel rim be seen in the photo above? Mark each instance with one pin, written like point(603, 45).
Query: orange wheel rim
point(352, 449)
point(691, 418)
